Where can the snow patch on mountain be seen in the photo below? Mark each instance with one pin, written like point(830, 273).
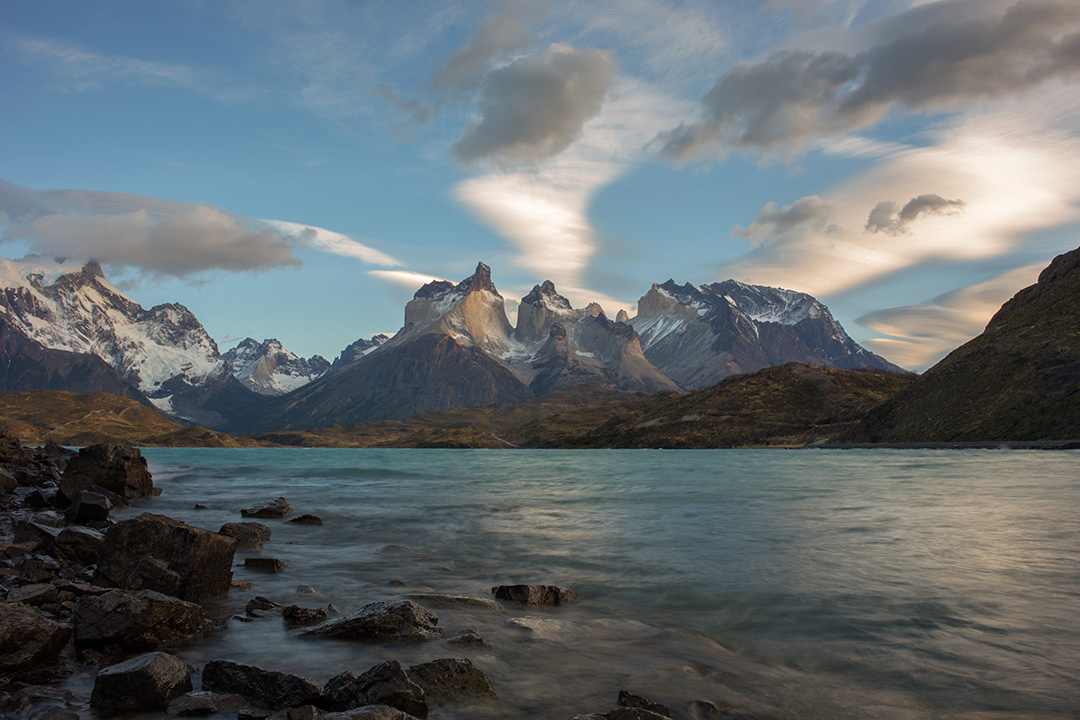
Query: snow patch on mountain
point(269, 369)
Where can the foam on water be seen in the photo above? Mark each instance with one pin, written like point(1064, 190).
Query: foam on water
point(827, 584)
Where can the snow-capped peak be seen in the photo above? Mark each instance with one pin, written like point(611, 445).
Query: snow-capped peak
point(269, 369)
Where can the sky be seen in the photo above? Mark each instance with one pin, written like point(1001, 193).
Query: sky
point(298, 168)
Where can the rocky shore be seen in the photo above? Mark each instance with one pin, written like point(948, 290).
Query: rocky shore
point(87, 594)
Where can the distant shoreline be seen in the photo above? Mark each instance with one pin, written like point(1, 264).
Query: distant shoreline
point(990, 445)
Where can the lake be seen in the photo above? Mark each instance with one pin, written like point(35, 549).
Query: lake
point(809, 584)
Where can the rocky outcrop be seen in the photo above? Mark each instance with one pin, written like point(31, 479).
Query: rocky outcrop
point(146, 681)
point(276, 508)
point(120, 469)
point(269, 688)
point(384, 684)
point(358, 349)
point(28, 639)
point(534, 594)
point(296, 616)
point(450, 680)
point(135, 620)
point(155, 552)
point(382, 622)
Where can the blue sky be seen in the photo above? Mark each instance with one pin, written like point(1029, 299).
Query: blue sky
point(297, 169)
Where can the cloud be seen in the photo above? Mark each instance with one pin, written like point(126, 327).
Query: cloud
point(920, 335)
point(941, 57)
point(161, 237)
point(192, 241)
point(77, 69)
point(404, 278)
point(333, 242)
point(772, 222)
point(510, 27)
point(886, 218)
point(418, 112)
point(536, 106)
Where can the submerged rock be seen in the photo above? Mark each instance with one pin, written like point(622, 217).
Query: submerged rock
point(369, 712)
point(630, 700)
point(146, 681)
point(136, 620)
point(259, 606)
point(452, 679)
point(117, 468)
point(383, 621)
point(272, 689)
point(534, 594)
point(295, 616)
point(265, 564)
point(468, 638)
point(155, 552)
point(441, 600)
point(384, 684)
point(276, 508)
point(307, 520)
point(235, 529)
point(28, 639)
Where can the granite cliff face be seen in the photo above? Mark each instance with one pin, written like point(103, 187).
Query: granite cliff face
point(699, 335)
point(1018, 380)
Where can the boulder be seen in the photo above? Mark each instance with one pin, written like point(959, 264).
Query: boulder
point(295, 616)
point(31, 531)
point(534, 594)
point(145, 681)
point(630, 700)
point(385, 684)
point(135, 620)
point(78, 545)
point(155, 552)
point(265, 564)
point(28, 639)
point(117, 468)
point(383, 621)
point(39, 568)
point(270, 688)
point(276, 508)
point(88, 506)
point(304, 712)
point(450, 680)
point(235, 529)
point(8, 483)
point(202, 702)
point(248, 541)
point(369, 712)
point(36, 594)
point(307, 520)
point(259, 606)
point(39, 498)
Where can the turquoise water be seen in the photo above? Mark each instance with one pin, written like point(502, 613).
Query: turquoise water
point(825, 584)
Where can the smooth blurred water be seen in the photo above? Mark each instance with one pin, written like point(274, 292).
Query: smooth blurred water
point(826, 584)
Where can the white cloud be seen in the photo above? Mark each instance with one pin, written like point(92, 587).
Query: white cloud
point(917, 336)
point(405, 278)
point(333, 242)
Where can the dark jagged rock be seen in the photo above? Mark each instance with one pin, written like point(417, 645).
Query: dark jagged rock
point(28, 639)
point(449, 680)
point(630, 700)
point(627, 713)
point(276, 508)
point(307, 520)
point(384, 684)
point(117, 468)
point(155, 552)
point(146, 681)
point(295, 616)
point(135, 620)
point(265, 564)
point(202, 702)
point(383, 621)
point(259, 606)
point(36, 532)
point(369, 712)
point(78, 545)
point(534, 594)
point(304, 712)
point(272, 689)
point(39, 568)
point(88, 506)
point(36, 594)
point(234, 529)
point(469, 638)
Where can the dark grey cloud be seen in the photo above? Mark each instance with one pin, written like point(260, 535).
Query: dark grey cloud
point(940, 57)
point(534, 107)
point(510, 27)
point(889, 218)
point(150, 235)
point(773, 222)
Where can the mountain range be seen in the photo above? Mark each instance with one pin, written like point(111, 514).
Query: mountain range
point(65, 327)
